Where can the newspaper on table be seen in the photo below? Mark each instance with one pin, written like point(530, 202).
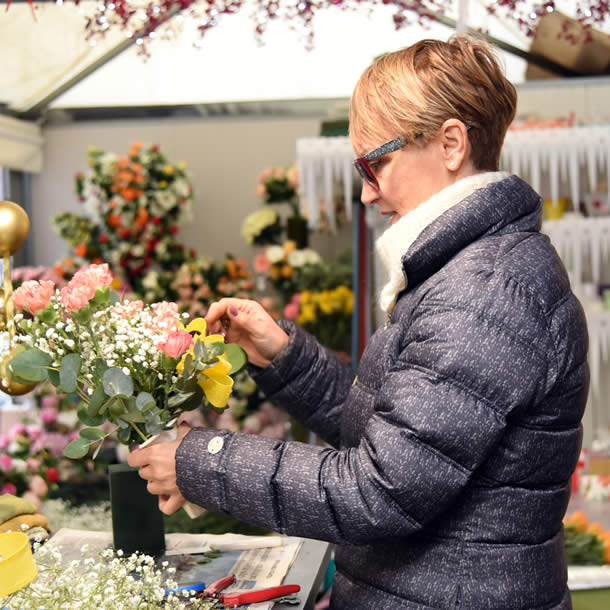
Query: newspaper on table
point(256, 561)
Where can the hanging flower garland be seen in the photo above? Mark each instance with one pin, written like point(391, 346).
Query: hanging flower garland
point(147, 19)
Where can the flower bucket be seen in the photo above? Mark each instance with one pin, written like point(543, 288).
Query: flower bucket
point(17, 566)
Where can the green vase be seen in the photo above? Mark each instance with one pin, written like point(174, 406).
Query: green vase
point(297, 231)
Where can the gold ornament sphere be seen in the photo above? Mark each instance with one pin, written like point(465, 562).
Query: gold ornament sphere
point(8, 385)
point(14, 227)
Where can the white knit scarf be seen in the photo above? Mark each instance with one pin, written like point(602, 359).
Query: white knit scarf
point(397, 239)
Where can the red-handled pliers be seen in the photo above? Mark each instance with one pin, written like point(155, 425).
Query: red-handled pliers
point(232, 600)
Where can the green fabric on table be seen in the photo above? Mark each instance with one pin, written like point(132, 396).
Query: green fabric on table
point(591, 599)
point(12, 506)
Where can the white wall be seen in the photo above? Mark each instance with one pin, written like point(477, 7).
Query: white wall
point(224, 159)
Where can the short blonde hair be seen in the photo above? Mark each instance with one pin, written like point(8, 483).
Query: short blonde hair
point(415, 90)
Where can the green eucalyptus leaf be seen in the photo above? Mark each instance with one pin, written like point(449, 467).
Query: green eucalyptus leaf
point(68, 373)
point(100, 367)
point(92, 434)
point(87, 419)
point(115, 299)
point(168, 363)
point(97, 451)
point(132, 417)
point(194, 401)
point(96, 400)
point(116, 383)
point(116, 409)
point(78, 448)
point(200, 351)
point(123, 435)
point(54, 377)
point(177, 399)
point(188, 365)
point(236, 356)
point(215, 349)
point(144, 401)
point(29, 365)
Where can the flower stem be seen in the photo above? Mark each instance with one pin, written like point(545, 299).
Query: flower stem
point(135, 426)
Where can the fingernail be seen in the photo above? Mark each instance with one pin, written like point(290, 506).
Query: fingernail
point(233, 310)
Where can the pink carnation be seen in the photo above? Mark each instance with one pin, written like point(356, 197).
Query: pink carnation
point(48, 415)
point(261, 263)
point(34, 430)
point(165, 317)
point(177, 343)
point(291, 311)
point(6, 462)
point(16, 430)
point(5, 441)
point(39, 486)
point(34, 295)
point(128, 309)
point(8, 488)
point(33, 464)
point(81, 288)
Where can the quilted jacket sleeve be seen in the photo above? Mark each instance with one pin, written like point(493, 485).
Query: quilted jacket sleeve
point(440, 411)
point(309, 381)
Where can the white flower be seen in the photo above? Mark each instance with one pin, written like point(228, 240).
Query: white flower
point(275, 254)
point(166, 200)
point(311, 257)
point(297, 258)
point(181, 187)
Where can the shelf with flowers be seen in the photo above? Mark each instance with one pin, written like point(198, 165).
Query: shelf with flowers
point(324, 303)
point(282, 265)
point(133, 207)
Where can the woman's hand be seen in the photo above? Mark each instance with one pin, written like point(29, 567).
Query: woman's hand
point(249, 325)
point(157, 464)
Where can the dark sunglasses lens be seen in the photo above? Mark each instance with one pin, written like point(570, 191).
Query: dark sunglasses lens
point(365, 172)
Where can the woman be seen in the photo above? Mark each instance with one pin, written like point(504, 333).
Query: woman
point(454, 444)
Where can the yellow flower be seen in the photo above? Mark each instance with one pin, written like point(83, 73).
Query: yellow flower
point(163, 184)
point(215, 380)
point(308, 313)
point(306, 297)
point(182, 165)
point(168, 170)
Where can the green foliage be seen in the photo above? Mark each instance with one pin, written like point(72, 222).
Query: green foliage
point(583, 548)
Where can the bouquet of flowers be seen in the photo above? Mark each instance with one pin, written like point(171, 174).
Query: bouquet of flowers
point(283, 266)
point(134, 366)
point(133, 207)
point(278, 184)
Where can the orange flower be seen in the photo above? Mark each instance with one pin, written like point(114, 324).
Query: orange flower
point(578, 520)
point(80, 250)
point(134, 151)
point(97, 260)
point(59, 270)
point(141, 217)
point(287, 271)
point(122, 162)
point(114, 220)
point(129, 194)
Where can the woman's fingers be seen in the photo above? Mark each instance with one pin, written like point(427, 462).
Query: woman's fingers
point(169, 505)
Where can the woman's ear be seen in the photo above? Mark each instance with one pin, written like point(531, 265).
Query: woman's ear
point(455, 145)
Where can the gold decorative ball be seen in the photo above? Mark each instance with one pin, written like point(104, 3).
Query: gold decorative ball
point(8, 385)
point(14, 227)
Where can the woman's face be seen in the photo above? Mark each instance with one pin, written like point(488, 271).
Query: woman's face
point(406, 177)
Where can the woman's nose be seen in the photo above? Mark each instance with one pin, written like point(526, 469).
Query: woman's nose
point(369, 193)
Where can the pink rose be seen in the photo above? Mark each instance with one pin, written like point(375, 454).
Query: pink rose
point(16, 430)
point(178, 342)
point(49, 401)
point(6, 462)
point(291, 311)
point(33, 464)
point(296, 298)
point(34, 295)
point(48, 415)
point(8, 488)
point(261, 263)
point(39, 486)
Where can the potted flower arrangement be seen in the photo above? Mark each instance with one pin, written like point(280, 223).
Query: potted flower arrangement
point(135, 366)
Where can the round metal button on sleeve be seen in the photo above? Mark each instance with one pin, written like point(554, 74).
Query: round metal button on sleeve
point(215, 445)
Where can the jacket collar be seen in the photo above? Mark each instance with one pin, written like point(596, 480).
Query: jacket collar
point(421, 242)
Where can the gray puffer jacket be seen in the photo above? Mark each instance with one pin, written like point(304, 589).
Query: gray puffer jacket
point(454, 443)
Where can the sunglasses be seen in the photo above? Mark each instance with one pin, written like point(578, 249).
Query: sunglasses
point(362, 164)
